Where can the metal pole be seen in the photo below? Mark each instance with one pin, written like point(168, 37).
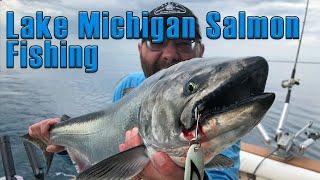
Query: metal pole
point(7, 160)
point(283, 117)
point(264, 134)
point(34, 163)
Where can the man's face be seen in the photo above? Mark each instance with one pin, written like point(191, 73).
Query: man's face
point(155, 57)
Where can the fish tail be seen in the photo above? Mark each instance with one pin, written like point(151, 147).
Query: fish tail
point(41, 145)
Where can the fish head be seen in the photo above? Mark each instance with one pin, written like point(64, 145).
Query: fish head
point(229, 98)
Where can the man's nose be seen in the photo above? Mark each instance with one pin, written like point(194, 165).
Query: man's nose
point(170, 53)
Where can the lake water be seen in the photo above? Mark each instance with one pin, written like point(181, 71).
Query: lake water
point(29, 96)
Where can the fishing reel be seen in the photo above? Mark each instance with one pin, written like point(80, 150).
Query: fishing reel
point(288, 147)
point(312, 137)
point(290, 83)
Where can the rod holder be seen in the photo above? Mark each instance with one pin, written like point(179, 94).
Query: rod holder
point(283, 117)
point(264, 134)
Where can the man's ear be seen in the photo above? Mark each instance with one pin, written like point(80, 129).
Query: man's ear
point(140, 47)
point(201, 50)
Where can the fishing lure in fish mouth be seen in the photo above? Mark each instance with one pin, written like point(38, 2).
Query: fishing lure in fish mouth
point(194, 167)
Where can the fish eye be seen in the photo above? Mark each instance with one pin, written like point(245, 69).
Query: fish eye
point(192, 87)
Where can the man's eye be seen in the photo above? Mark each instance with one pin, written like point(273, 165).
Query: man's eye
point(185, 46)
point(154, 46)
point(183, 43)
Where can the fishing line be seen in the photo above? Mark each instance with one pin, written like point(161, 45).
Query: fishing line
point(197, 116)
point(266, 157)
point(300, 41)
point(194, 166)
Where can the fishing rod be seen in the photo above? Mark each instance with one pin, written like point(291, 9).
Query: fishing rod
point(286, 84)
point(291, 82)
point(287, 147)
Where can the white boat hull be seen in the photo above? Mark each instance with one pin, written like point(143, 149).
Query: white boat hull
point(275, 170)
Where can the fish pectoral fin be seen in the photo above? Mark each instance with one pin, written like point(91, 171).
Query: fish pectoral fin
point(220, 161)
point(64, 118)
point(123, 165)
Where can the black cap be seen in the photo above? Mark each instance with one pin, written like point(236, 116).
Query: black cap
point(173, 9)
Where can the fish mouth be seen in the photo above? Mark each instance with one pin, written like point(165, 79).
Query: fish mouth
point(217, 104)
point(246, 87)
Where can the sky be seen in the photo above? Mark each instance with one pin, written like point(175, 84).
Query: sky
point(270, 49)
